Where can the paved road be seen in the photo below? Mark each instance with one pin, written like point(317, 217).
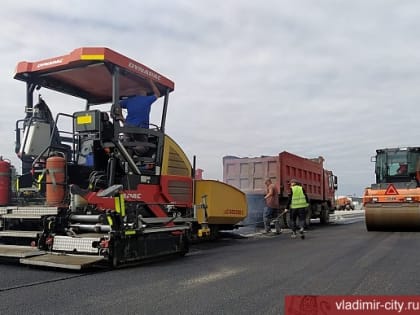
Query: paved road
point(232, 276)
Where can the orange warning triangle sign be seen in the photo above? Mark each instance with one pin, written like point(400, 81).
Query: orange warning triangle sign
point(391, 190)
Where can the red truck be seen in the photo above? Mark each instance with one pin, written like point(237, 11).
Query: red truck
point(249, 174)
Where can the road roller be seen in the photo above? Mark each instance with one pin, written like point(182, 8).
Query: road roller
point(393, 202)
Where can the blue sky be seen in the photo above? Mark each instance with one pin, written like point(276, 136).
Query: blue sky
point(332, 78)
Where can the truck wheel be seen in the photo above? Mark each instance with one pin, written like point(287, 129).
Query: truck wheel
point(325, 216)
point(308, 218)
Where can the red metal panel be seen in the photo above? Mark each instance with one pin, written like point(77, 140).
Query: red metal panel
point(149, 194)
point(86, 71)
point(77, 56)
point(177, 190)
point(309, 172)
point(248, 174)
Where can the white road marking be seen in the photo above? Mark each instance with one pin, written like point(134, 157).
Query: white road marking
point(212, 277)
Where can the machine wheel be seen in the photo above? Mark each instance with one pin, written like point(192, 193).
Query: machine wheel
point(113, 262)
point(325, 216)
point(185, 246)
point(214, 232)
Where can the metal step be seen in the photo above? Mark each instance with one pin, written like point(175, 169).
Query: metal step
point(17, 233)
point(76, 244)
point(26, 212)
point(75, 262)
point(26, 216)
point(15, 251)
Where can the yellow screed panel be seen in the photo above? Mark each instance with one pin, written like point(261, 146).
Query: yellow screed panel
point(175, 162)
point(225, 203)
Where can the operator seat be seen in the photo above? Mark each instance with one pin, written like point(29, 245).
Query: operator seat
point(107, 130)
point(136, 144)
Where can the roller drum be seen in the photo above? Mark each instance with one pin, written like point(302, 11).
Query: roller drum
point(392, 217)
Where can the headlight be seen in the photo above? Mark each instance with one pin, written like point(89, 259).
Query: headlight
point(375, 199)
point(408, 199)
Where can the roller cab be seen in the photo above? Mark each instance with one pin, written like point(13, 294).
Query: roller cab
point(393, 202)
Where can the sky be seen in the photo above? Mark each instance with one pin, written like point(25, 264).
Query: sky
point(330, 78)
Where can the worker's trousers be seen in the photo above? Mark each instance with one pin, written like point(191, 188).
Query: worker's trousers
point(267, 217)
point(298, 213)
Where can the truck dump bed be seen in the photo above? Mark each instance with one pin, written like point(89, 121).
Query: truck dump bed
point(248, 174)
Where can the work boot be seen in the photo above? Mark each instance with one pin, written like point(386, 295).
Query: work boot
point(302, 235)
point(293, 235)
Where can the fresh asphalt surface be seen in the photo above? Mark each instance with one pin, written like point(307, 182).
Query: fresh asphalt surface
point(231, 276)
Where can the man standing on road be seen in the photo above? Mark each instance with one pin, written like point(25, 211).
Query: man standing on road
point(272, 204)
point(297, 203)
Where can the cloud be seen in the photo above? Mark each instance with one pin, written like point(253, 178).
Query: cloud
point(337, 79)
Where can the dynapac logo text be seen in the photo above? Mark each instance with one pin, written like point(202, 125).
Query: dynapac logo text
point(49, 63)
point(132, 196)
point(140, 69)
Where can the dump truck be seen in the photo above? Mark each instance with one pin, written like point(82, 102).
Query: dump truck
point(344, 203)
point(249, 174)
point(392, 203)
point(85, 196)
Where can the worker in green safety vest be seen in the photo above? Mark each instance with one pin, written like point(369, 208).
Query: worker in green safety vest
point(298, 202)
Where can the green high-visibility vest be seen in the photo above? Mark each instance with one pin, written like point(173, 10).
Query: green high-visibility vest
point(298, 198)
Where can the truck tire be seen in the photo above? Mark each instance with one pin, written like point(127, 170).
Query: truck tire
point(308, 218)
point(325, 216)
